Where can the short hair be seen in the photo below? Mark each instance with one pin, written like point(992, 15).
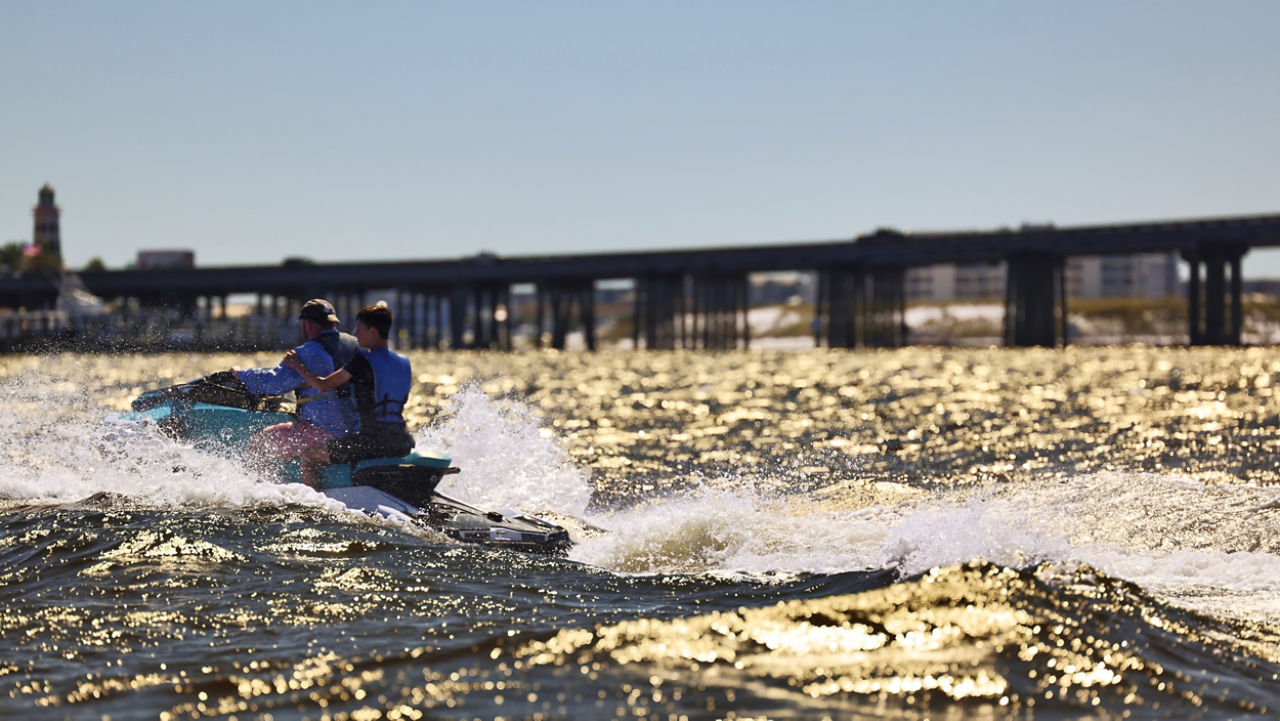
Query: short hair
point(377, 317)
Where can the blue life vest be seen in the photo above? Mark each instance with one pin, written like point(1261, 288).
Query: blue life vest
point(392, 379)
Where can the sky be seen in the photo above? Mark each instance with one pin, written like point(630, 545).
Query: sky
point(253, 131)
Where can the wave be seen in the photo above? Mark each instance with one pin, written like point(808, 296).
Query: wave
point(1208, 546)
point(977, 640)
point(1211, 547)
point(972, 639)
point(564, 639)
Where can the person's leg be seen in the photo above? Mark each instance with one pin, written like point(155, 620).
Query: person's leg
point(284, 441)
point(310, 462)
point(263, 450)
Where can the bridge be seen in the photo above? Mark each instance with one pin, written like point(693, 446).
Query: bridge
point(698, 298)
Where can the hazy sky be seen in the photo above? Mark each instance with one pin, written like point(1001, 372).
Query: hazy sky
point(252, 131)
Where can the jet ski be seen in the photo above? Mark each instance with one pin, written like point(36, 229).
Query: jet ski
point(217, 413)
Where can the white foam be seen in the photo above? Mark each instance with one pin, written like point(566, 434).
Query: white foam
point(1210, 547)
point(61, 447)
point(1186, 541)
point(507, 460)
point(733, 529)
point(947, 533)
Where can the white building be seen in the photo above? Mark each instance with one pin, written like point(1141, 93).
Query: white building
point(1147, 275)
point(951, 281)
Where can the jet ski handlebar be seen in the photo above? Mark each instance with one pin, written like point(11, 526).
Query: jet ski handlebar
point(222, 388)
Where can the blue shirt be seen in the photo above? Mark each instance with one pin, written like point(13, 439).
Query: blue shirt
point(326, 410)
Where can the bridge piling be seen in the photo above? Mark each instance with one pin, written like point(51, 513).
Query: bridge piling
point(405, 309)
point(561, 298)
point(718, 312)
point(1215, 302)
point(839, 302)
point(886, 317)
point(659, 297)
point(860, 306)
point(703, 310)
point(1035, 304)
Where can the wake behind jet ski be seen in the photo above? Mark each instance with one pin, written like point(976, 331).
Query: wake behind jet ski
point(218, 414)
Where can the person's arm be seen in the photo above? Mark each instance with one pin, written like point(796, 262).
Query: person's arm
point(268, 381)
point(329, 382)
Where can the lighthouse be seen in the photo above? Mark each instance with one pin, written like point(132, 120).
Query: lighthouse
point(46, 235)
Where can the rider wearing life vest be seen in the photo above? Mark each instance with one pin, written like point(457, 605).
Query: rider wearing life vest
point(322, 415)
point(380, 381)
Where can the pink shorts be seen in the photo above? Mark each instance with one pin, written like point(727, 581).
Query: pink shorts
point(289, 440)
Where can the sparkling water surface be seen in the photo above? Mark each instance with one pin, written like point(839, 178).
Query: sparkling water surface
point(914, 533)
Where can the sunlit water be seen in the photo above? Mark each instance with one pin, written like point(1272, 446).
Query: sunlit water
point(913, 534)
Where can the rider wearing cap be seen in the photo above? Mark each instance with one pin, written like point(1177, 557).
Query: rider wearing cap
point(322, 415)
point(380, 381)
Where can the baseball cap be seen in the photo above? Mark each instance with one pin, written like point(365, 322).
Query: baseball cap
point(318, 310)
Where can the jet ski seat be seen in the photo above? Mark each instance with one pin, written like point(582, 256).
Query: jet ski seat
point(413, 477)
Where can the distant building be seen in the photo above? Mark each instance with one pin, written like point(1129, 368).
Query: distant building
point(166, 259)
point(47, 236)
point(1146, 275)
point(45, 251)
point(951, 281)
